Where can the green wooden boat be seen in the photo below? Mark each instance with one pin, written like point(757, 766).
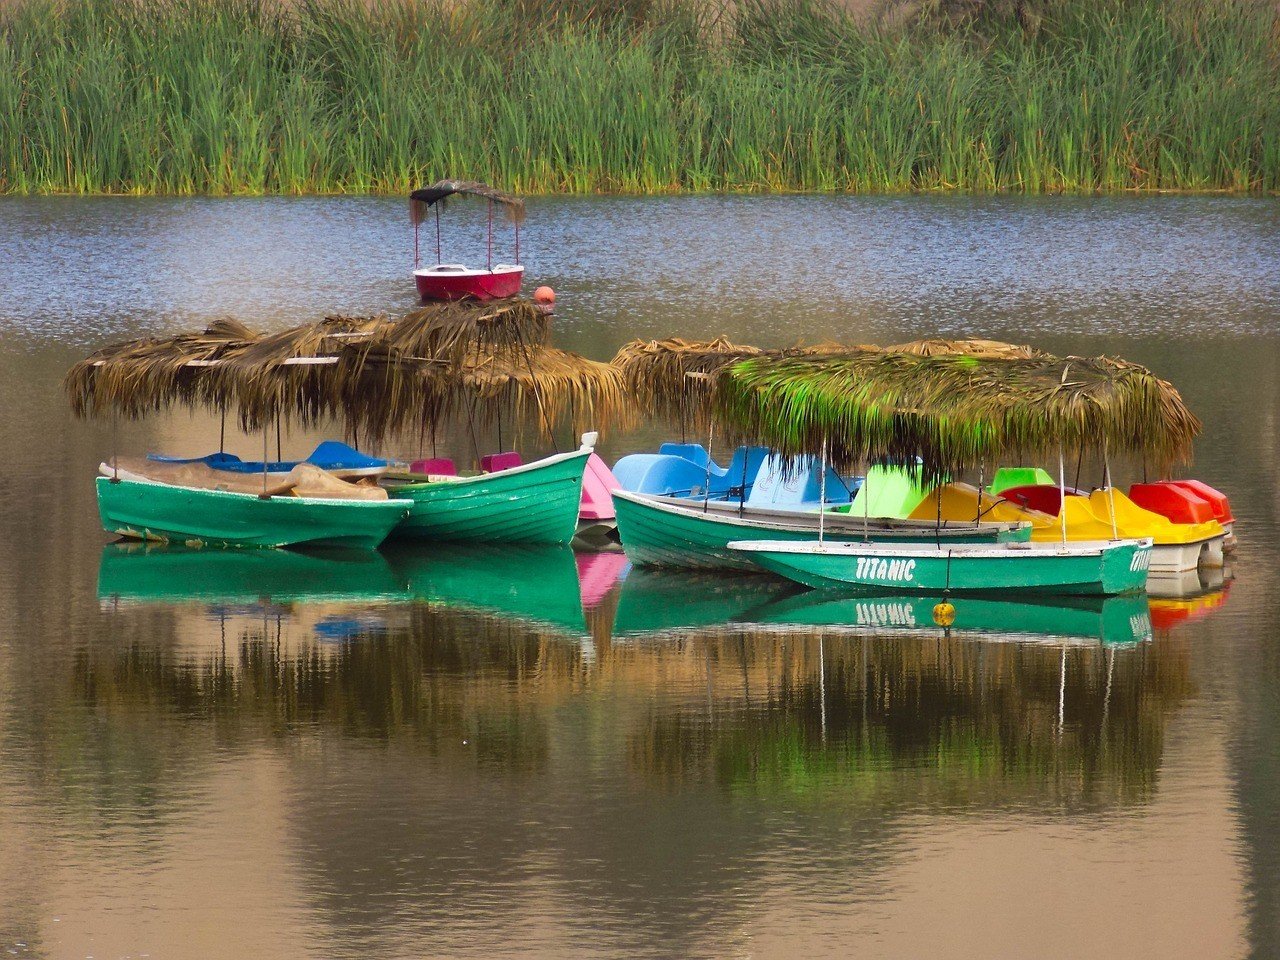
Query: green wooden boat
point(537, 583)
point(143, 573)
point(1109, 620)
point(147, 510)
point(534, 503)
point(673, 532)
point(1081, 567)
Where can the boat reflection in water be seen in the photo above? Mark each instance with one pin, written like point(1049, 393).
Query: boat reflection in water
point(657, 601)
point(1188, 597)
point(872, 716)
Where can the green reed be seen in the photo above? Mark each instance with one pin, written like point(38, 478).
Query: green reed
point(252, 96)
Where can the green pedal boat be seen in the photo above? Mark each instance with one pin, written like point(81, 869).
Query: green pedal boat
point(1083, 567)
point(150, 510)
point(673, 532)
point(533, 503)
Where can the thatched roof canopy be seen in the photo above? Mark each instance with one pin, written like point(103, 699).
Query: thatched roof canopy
point(953, 411)
point(379, 375)
point(672, 378)
point(984, 349)
point(421, 200)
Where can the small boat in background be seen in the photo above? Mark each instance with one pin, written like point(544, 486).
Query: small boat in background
point(456, 281)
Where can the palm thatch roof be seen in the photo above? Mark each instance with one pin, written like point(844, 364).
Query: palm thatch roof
point(421, 200)
point(672, 378)
point(379, 375)
point(953, 411)
point(986, 349)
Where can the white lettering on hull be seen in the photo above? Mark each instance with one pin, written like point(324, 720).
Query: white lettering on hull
point(895, 571)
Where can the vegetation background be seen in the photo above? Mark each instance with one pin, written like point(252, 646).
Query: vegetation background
point(255, 96)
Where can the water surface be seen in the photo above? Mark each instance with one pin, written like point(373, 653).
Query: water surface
point(478, 753)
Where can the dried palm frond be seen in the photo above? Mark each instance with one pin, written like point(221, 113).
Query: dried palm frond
point(952, 411)
point(465, 329)
point(387, 393)
point(992, 349)
point(421, 200)
point(139, 377)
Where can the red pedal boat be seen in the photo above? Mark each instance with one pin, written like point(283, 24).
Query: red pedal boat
point(456, 281)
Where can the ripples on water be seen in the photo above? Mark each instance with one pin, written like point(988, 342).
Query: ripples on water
point(480, 752)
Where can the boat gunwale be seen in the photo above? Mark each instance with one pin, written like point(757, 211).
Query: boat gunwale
point(840, 524)
point(1078, 548)
point(402, 502)
point(394, 484)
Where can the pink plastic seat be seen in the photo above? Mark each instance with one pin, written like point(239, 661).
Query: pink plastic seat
point(1035, 496)
point(500, 461)
point(438, 466)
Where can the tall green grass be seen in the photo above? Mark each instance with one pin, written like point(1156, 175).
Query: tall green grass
point(251, 96)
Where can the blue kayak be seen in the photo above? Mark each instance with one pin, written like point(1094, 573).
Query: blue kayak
point(330, 455)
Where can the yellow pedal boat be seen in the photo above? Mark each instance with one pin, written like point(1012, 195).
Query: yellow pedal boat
point(1178, 546)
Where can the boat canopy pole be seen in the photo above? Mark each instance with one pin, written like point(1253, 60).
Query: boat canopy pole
point(491, 235)
point(438, 260)
point(278, 454)
point(115, 446)
point(1111, 492)
point(866, 507)
point(822, 491)
point(222, 434)
point(982, 482)
point(706, 487)
point(265, 495)
point(742, 503)
point(417, 261)
point(517, 242)
point(1062, 493)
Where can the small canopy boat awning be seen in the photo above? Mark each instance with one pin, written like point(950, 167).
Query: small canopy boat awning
point(421, 200)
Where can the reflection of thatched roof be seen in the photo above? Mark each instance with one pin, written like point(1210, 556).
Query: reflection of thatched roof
point(953, 411)
point(381, 375)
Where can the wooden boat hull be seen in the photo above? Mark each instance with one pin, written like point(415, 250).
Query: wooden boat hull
point(534, 503)
point(497, 284)
point(145, 510)
point(1101, 567)
point(662, 533)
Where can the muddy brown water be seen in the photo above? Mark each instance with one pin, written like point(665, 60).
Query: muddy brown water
point(442, 753)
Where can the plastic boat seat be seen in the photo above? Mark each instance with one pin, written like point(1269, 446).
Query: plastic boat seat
point(335, 455)
point(1216, 498)
point(1083, 523)
point(746, 463)
point(1044, 497)
point(500, 461)
point(1007, 477)
point(437, 466)
point(889, 492)
point(1174, 503)
point(959, 502)
point(1133, 521)
point(659, 474)
point(695, 453)
point(794, 485)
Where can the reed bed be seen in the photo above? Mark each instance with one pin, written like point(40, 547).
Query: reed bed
point(542, 96)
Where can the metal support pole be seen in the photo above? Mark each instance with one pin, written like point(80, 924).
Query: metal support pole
point(1111, 491)
point(417, 260)
point(437, 209)
point(517, 242)
point(706, 487)
point(491, 235)
point(264, 462)
point(222, 434)
point(1062, 493)
point(822, 493)
point(115, 447)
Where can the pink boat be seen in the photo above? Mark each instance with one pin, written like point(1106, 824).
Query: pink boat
point(596, 516)
point(456, 281)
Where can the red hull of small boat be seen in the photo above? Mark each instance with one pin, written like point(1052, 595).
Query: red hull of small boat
point(481, 285)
